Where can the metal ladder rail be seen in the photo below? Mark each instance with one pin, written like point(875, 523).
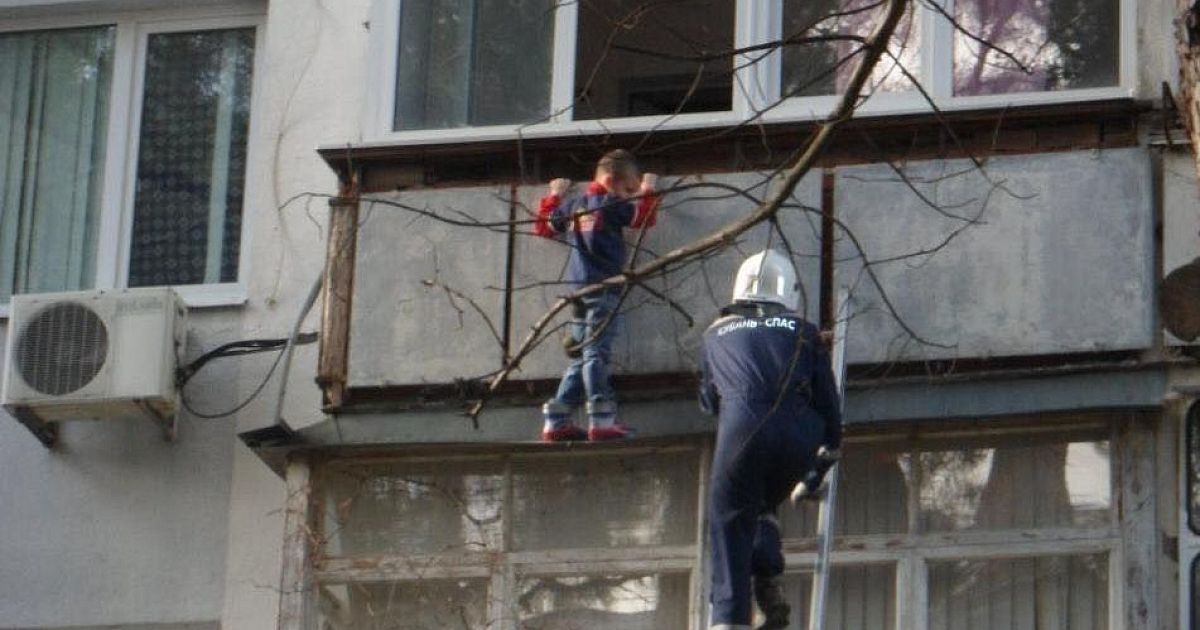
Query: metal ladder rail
point(825, 513)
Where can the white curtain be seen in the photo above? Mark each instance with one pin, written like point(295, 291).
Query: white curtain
point(53, 118)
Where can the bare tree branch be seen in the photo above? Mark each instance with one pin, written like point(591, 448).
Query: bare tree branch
point(874, 49)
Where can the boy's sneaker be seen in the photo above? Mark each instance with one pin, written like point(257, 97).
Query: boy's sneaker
point(557, 425)
point(564, 433)
point(618, 431)
point(603, 424)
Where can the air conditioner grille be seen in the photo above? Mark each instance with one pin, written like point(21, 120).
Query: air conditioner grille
point(62, 348)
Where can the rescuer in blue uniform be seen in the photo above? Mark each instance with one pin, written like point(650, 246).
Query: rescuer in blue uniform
point(766, 373)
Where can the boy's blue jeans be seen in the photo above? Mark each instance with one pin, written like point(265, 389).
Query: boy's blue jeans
point(586, 378)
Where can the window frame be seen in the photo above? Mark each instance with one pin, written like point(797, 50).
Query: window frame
point(909, 553)
point(132, 30)
point(754, 86)
point(503, 568)
point(1189, 538)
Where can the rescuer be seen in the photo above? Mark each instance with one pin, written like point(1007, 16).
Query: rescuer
point(765, 372)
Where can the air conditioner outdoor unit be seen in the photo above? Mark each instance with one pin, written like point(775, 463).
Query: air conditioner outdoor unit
point(93, 355)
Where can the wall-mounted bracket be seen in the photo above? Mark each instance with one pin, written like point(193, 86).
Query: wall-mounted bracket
point(45, 432)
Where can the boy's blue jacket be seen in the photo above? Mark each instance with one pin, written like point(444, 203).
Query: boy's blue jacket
point(592, 224)
point(756, 364)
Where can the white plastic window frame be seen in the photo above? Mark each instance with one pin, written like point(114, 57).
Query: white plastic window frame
point(132, 31)
point(755, 87)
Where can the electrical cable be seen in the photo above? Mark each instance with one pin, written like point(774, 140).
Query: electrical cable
point(240, 406)
point(293, 340)
point(234, 349)
point(237, 349)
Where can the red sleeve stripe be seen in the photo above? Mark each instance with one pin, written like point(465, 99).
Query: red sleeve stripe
point(542, 227)
point(647, 211)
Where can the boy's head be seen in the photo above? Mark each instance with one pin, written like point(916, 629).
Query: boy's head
point(617, 170)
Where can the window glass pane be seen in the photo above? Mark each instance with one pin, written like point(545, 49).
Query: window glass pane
point(1049, 484)
point(192, 158)
point(473, 62)
point(616, 74)
point(817, 69)
point(415, 508)
point(860, 597)
point(1048, 593)
point(1062, 44)
point(54, 90)
point(1195, 607)
point(873, 495)
point(419, 605)
point(1193, 458)
point(645, 602)
point(609, 501)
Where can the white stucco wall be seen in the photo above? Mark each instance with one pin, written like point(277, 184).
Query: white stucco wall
point(117, 527)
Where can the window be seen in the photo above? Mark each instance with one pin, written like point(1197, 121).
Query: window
point(1189, 519)
point(191, 167)
point(53, 122)
point(862, 597)
point(610, 538)
point(1044, 592)
point(1194, 595)
point(538, 67)
point(825, 69)
point(963, 513)
point(473, 62)
point(635, 58)
point(529, 541)
point(110, 182)
point(1062, 44)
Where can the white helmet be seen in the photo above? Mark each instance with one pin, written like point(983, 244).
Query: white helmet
point(767, 276)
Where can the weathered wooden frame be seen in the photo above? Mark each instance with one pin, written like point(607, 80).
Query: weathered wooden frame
point(1129, 541)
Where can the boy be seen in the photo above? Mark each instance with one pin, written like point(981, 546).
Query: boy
point(592, 225)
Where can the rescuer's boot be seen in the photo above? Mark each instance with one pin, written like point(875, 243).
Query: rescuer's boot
point(768, 594)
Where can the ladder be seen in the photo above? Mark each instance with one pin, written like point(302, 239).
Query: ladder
point(825, 511)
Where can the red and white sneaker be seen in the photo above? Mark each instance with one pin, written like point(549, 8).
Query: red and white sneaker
point(564, 433)
point(618, 431)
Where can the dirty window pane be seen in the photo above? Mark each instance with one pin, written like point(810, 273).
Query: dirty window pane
point(612, 78)
point(1193, 458)
point(471, 62)
point(873, 490)
point(426, 508)
point(187, 206)
point(1051, 484)
point(1064, 44)
point(1047, 593)
point(609, 501)
point(613, 602)
point(410, 605)
point(860, 597)
point(819, 69)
